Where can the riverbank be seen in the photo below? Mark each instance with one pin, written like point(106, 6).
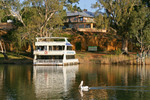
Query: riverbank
point(14, 58)
point(108, 58)
point(84, 58)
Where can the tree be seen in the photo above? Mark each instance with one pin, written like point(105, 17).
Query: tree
point(140, 27)
point(147, 2)
point(118, 13)
point(38, 17)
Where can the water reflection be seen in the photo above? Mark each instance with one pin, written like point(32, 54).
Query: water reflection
point(16, 82)
point(113, 82)
point(1, 79)
point(25, 82)
point(53, 82)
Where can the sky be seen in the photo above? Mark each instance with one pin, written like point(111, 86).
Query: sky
point(86, 4)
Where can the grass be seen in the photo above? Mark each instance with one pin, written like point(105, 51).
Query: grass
point(84, 57)
point(12, 55)
point(16, 58)
point(102, 58)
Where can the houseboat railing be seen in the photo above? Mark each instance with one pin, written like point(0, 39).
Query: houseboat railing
point(55, 61)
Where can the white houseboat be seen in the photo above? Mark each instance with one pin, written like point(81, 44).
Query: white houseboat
point(54, 51)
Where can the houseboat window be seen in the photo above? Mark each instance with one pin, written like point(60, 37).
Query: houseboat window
point(70, 57)
point(43, 57)
point(58, 47)
point(55, 48)
point(69, 47)
point(61, 47)
point(41, 48)
point(50, 57)
point(50, 48)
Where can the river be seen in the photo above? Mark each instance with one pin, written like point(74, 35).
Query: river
point(27, 82)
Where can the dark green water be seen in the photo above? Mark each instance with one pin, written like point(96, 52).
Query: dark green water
point(27, 82)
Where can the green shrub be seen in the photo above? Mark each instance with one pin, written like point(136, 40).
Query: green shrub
point(118, 52)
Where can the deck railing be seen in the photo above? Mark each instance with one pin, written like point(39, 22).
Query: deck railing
point(55, 61)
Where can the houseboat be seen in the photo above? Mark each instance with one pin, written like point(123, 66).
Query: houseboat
point(54, 51)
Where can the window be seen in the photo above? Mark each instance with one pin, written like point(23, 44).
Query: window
point(69, 47)
point(41, 48)
point(88, 26)
point(70, 57)
point(81, 26)
point(75, 19)
point(81, 19)
point(50, 48)
point(61, 47)
point(50, 57)
point(58, 47)
point(55, 47)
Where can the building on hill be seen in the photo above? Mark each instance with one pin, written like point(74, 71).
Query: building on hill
point(6, 26)
point(81, 21)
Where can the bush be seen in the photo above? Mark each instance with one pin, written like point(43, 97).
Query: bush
point(118, 52)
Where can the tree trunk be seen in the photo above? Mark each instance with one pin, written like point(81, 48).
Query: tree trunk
point(31, 44)
point(5, 56)
point(124, 46)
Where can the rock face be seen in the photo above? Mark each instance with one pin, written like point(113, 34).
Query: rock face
point(81, 41)
point(104, 43)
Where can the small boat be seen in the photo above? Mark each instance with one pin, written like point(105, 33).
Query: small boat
point(83, 88)
point(54, 51)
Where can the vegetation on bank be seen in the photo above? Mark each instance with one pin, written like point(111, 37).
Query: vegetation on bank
point(14, 58)
point(129, 21)
point(109, 58)
point(84, 57)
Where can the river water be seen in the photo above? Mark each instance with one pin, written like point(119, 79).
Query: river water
point(27, 82)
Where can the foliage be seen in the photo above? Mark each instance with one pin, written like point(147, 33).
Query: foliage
point(102, 21)
point(140, 27)
point(118, 52)
point(78, 45)
point(118, 18)
point(34, 17)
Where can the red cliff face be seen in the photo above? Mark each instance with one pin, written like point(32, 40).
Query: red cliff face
point(103, 43)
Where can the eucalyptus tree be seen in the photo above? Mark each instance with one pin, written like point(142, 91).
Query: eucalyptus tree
point(38, 17)
point(147, 2)
point(140, 27)
point(117, 18)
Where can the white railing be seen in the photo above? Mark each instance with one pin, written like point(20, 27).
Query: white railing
point(54, 52)
point(40, 61)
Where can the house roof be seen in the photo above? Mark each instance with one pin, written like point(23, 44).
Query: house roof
point(83, 13)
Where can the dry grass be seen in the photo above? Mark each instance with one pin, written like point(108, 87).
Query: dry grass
point(118, 59)
point(147, 61)
point(99, 58)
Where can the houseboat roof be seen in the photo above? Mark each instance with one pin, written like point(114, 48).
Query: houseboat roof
point(40, 38)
